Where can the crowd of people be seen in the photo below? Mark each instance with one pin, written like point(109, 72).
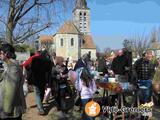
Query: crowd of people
point(50, 75)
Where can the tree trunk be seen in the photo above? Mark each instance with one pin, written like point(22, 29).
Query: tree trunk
point(10, 23)
point(9, 33)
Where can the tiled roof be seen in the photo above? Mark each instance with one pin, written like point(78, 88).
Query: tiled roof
point(81, 4)
point(45, 38)
point(88, 42)
point(155, 45)
point(68, 28)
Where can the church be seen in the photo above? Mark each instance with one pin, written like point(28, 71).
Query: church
point(73, 39)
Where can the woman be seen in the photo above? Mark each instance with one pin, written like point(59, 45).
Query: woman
point(87, 88)
point(11, 86)
point(60, 75)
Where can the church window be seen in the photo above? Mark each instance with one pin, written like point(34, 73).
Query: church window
point(72, 42)
point(80, 16)
point(83, 41)
point(61, 41)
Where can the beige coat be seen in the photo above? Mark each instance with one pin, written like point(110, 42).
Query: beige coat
point(12, 100)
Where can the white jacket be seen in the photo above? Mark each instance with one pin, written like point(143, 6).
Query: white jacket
point(87, 92)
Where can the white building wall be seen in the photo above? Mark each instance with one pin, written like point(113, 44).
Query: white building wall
point(67, 50)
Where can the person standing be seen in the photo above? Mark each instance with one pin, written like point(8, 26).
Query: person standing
point(40, 68)
point(82, 63)
point(119, 65)
point(39, 64)
point(144, 70)
point(87, 87)
point(12, 97)
point(59, 75)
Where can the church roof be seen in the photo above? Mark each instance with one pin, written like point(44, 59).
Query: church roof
point(81, 4)
point(68, 28)
point(88, 42)
point(45, 38)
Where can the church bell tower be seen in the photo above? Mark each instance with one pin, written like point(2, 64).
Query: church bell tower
point(81, 16)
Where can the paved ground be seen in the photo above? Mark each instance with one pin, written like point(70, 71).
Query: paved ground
point(53, 114)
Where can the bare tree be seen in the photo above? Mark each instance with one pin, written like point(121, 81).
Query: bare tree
point(139, 44)
point(127, 44)
point(107, 51)
point(155, 35)
point(25, 18)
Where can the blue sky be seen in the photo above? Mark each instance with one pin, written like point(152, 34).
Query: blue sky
point(114, 20)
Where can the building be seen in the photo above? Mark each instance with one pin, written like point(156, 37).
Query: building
point(155, 47)
point(73, 39)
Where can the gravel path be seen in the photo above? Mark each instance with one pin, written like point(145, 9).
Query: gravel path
point(53, 114)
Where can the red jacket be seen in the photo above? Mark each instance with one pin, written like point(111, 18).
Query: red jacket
point(27, 63)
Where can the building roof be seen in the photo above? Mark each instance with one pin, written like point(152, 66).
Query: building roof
point(45, 38)
point(68, 28)
point(81, 4)
point(88, 42)
point(155, 45)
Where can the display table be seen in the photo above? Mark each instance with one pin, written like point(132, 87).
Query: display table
point(121, 93)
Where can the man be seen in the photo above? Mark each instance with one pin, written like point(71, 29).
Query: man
point(40, 68)
point(102, 66)
point(144, 70)
point(12, 100)
point(119, 66)
point(83, 62)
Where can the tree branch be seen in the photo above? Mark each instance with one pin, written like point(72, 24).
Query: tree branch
point(22, 14)
point(31, 33)
point(19, 8)
point(44, 3)
point(21, 4)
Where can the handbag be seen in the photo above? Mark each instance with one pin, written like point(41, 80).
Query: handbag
point(67, 103)
point(47, 94)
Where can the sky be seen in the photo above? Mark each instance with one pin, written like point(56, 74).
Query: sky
point(112, 21)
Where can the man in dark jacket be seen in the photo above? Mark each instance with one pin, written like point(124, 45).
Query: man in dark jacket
point(39, 65)
point(119, 66)
point(82, 62)
point(144, 69)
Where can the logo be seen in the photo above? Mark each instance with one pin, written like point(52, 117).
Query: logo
point(92, 108)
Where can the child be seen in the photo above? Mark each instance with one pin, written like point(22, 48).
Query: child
point(87, 88)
